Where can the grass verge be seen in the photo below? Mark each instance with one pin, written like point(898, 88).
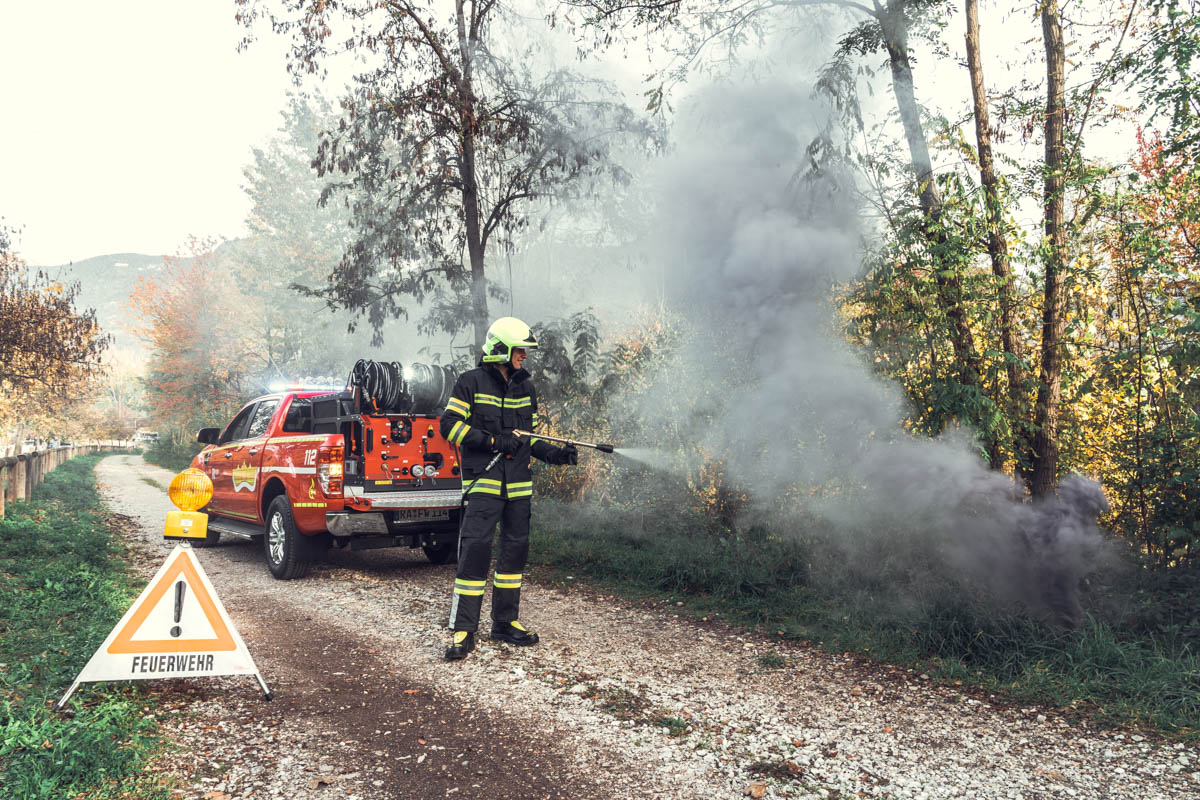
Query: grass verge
point(64, 586)
point(1119, 668)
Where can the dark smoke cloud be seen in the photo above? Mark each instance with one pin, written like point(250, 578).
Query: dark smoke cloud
point(754, 247)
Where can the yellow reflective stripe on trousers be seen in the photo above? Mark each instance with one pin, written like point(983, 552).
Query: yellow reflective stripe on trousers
point(509, 581)
point(488, 399)
point(468, 587)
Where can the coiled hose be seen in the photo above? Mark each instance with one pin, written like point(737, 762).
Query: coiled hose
point(381, 382)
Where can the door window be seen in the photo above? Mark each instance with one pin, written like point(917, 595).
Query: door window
point(234, 430)
point(262, 418)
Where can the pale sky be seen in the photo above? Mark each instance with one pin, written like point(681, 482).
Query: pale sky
point(126, 124)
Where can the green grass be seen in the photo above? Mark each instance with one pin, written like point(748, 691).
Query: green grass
point(772, 660)
point(64, 586)
point(674, 725)
point(1134, 660)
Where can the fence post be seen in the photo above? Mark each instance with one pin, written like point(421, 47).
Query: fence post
point(10, 479)
point(22, 468)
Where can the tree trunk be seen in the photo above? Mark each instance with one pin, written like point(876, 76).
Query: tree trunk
point(470, 185)
point(997, 245)
point(895, 35)
point(1045, 442)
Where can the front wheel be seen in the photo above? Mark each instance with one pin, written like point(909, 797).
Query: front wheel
point(284, 545)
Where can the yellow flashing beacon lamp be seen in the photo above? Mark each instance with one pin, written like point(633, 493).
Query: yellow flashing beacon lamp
point(190, 491)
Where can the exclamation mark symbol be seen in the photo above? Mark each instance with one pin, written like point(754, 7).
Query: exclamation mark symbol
point(180, 588)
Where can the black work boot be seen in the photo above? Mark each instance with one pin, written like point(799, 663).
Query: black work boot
point(461, 643)
point(513, 633)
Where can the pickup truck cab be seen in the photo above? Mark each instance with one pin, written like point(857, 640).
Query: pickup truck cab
point(304, 471)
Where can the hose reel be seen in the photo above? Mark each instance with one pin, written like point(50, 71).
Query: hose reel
point(390, 387)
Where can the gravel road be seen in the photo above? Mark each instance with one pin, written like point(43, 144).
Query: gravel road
point(619, 700)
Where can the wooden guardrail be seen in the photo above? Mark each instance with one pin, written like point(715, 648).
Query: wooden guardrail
point(19, 474)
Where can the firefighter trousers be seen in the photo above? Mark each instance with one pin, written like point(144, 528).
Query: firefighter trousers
point(475, 554)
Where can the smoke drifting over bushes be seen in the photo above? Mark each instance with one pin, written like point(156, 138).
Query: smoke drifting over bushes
point(765, 384)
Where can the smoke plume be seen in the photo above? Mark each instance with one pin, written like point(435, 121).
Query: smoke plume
point(754, 246)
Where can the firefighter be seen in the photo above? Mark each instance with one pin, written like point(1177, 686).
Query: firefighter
point(487, 404)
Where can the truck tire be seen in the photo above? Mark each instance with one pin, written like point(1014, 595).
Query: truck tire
point(441, 553)
point(288, 555)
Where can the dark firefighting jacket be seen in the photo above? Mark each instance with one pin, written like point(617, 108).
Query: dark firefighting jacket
point(482, 406)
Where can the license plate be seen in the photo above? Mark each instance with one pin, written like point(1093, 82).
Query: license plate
point(421, 515)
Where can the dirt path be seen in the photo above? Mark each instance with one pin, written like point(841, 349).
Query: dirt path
point(618, 701)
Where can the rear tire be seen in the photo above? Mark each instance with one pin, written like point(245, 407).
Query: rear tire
point(441, 553)
point(287, 552)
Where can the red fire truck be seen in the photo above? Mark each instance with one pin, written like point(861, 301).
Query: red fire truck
point(361, 468)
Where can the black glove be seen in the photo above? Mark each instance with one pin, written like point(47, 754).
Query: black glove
point(505, 443)
point(565, 455)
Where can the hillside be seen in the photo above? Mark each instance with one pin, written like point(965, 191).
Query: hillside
point(104, 284)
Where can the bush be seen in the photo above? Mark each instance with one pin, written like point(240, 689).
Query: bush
point(175, 457)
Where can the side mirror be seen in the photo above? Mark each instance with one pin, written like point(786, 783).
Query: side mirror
point(208, 435)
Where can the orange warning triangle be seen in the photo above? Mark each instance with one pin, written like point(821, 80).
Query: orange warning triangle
point(124, 643)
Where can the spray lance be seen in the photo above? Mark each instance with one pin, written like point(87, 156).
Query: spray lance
point(603, 448)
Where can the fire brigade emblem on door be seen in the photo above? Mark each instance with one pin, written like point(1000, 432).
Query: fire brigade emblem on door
point(245, 477)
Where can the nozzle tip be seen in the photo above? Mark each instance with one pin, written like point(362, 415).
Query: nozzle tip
point(604, 448)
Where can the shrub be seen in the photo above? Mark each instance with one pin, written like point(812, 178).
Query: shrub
point(168, 454)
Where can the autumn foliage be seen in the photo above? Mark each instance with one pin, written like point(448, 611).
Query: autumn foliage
point(49, 352)
point(1137, 412)
point(194, 325)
